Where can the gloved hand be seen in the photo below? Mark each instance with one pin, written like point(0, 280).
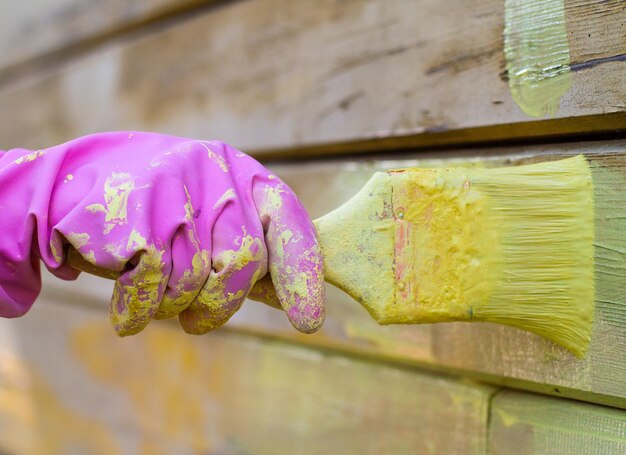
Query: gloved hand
point(191, 225)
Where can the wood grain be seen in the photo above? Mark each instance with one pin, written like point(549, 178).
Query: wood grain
point(498, 354)
point(39, 29)
point(77, 388)
point(527, 424)
point(267, 74)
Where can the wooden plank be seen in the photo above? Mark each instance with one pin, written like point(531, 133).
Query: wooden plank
point(523, 424)
point(489, 352)
point(37, 28)
point(69, 385)
point(266, 74)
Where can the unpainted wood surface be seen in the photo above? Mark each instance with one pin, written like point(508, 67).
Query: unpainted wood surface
point(36, 28)
point(489, 352)
point(263, 74)
point(69, 385)
point(527, 424)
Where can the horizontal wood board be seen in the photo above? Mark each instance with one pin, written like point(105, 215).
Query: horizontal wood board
point(527, 424)
point(39, 32)
point(69, 385)
point(267, 74)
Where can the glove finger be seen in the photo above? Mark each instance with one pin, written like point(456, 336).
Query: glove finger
point(263, 291)
point(295, 260)
point(138, 292)
point(191, 267)
point(227, 287)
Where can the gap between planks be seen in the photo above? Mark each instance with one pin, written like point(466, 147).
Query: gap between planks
point(603, 127)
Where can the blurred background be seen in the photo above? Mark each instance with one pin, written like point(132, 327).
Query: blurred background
point(324, 92)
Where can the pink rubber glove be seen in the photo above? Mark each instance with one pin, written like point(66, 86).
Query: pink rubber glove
point(191, 224)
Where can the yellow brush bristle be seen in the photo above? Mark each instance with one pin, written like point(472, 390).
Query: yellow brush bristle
point(547, 223)
point(511, 245)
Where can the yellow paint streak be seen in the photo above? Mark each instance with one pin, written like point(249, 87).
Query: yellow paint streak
point(55, 252)
point(194, 277)
point(115, 250)
point(78, 240)
point(117, 189)
point(273, 199)
point(216, 158)
point(228, 194)
point(35, 421)
point(537, 54)
point(30, 157)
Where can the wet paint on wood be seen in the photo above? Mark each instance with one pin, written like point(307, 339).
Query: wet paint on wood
point(528, 424)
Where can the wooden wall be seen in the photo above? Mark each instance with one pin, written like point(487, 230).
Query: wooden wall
point(324, 92)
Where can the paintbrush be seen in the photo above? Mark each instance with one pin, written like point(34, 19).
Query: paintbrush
point(510, 245)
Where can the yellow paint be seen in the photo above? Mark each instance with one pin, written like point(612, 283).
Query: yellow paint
point(228, 195)
point(30, 157)
point(142, 294)
point(117, 189)
point(193, 278)
point(292, 289)
point(216, 158)
point(78, 240)
point(90, 256)
point(214, 298)
point(35, 421)
point(55, 252)
point(510, 245)
point(273, 199)
point(447, 247)
point(537, 54)
point(115, 250)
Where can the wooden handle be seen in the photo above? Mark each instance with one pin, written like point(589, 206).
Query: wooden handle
point(357, 242)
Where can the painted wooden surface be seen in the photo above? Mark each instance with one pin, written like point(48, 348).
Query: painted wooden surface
point(527, 424)
point(504, 352)
point(69, 385)
point(494, 353)
point(276, 73)
point(36, 28)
